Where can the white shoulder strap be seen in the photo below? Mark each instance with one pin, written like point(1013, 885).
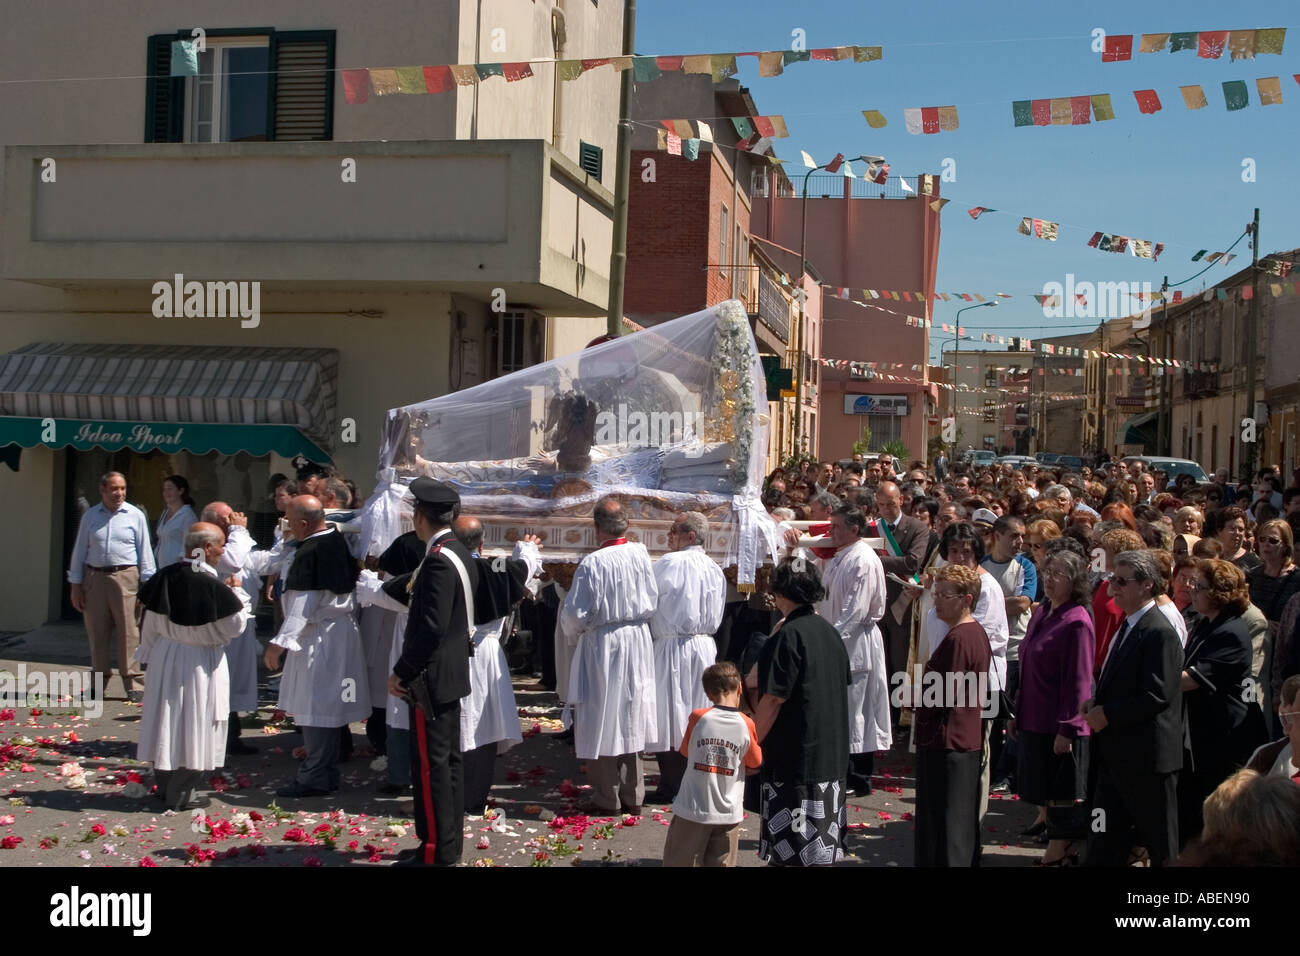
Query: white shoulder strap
point(464, 580)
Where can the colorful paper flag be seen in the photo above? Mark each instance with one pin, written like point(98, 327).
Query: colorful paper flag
point(674, 144)
point(771, 63)
point(1022, 113)
point(1182, 41)
point(743, 128)
point(410, 79)
point(489, 69)
point(877, 172)
point(669, 64)
point(592, 64)
point(691, 149)
point(570, 70)
point(938, 204)
point(1101, 108)
point(1270, 41)
point(912, 120)
point(902, 182)
point(1211, 44)
point(1095, 240)
point(1062, 111)
point(1155, 253)
point(723, 66)
point(517, 71)
point(1270, 90)
point(464, 73)
point(869, 54)
point(824, 53)
point(1142, 248)
point(975, 213)
point(702, 63)
point(185, 59)
point(947, 118)
point(356, 85)
point(1153, 42)
point(795, 56)
point(808, 160)
point(1193, 96)
point(1148, 101)
point(1235, 96)
point(706, 133)
point(1080, 110)
point(1197, 257)
point(621, 63)
point(1117, 48)
point(1247, 292)
point(1042, 112)
point(437, 79)
point(875, 119)
point(384, 82)
point(1241, 44)
point(834, 165)
point(645, 69)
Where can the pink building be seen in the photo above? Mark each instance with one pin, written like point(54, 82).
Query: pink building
point(865, 236)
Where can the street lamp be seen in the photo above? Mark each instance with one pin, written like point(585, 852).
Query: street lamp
point(803, 294)
point(956, 339)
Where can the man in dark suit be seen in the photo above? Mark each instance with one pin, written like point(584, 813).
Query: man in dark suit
point(1136, 716)
point(912, 538)
point(433, 673)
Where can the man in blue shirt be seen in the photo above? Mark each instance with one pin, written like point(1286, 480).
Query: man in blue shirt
point(111, 559)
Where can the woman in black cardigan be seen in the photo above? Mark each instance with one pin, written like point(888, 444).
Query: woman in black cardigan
point(1224, 724)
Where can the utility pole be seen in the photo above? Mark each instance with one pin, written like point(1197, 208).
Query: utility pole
point(1166, 386)
point(623, 167)
point(1248, 458)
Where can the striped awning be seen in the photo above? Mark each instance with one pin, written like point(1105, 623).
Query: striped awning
point(208, 385)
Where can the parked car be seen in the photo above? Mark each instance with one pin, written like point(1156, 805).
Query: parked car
point(1173, 467)
point(982, 458)
point(1046, 457)
point(1017, 462)
point(1068, 462)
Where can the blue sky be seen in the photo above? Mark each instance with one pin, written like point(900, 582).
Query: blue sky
point(1173, 177)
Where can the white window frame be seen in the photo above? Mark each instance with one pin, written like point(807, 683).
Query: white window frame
point(215, 48)
point(725, 238)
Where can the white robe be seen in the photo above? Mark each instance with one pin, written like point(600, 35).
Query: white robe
point(371, 595)
point(855, 601)
point(991, 611)
point(242, 653)
point(612, 679)
point(692, 594)
point(187, 696)
point(325, 682)
point(489, 715)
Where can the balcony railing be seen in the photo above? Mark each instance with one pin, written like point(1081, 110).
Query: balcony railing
point(1197, 384)
point(771, 306)
point(831, 186)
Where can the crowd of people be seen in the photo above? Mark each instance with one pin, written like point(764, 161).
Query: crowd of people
point(1126, 728)
point(996, 621)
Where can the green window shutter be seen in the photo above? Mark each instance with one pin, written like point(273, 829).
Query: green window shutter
point(301, 102)
point(591, 159)
point(164, 109)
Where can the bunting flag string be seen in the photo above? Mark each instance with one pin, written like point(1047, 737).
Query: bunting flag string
point(359, 84)
point(928, 119)
point(770, 127)
point(1208, 44)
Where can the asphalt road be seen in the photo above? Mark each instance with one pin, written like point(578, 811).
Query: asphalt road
point(75, 796)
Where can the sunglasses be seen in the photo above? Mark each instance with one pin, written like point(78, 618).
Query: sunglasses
point(1270, 540)
point(1118, 582)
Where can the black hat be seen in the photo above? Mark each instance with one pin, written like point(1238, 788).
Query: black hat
point(434, 492)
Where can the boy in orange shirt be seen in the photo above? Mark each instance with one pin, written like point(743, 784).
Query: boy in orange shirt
point(720, 743)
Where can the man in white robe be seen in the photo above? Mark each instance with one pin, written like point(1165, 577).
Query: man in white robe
point(692, 594)
point(324, 685)
point(489, 717)
point(190, 617)
point(241, 653)
point(612, 679)
point(855, 601)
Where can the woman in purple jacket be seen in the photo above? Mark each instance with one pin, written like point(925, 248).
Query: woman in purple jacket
point(1055, 678)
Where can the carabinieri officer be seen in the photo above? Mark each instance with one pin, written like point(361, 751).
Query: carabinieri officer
point(432, 673)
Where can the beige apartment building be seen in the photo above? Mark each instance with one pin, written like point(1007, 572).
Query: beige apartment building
point(401, 248)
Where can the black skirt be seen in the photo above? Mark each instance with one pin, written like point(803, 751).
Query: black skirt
point(1044, 777)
